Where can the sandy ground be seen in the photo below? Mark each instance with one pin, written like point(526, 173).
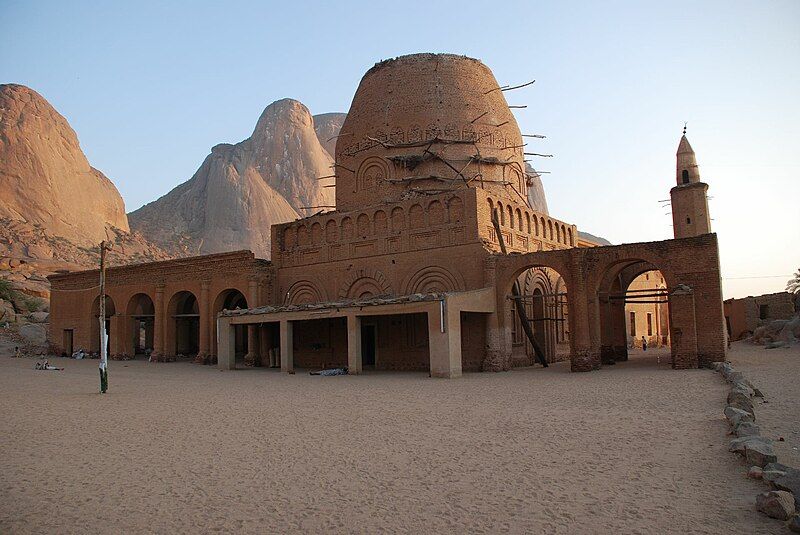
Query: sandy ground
point(777, 373)
point(633, 448)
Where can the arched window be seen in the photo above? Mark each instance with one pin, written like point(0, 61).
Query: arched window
point(510, 216)
point(685, 176)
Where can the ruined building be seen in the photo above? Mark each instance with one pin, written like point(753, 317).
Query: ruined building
point(407, 272)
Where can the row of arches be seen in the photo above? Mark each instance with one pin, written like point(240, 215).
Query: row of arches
point(367, 283)
point(136, 329)
point(595, 322)
point(375, 224)
point(532, 224)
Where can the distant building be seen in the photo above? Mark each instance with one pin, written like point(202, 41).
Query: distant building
point(744, 315)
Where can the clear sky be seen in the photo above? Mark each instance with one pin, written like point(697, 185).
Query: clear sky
point(150, 87)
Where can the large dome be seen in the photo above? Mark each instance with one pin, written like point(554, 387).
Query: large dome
point(427, 123)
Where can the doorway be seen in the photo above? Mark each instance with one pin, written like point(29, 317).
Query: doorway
point(368, 345)
point(67, 342)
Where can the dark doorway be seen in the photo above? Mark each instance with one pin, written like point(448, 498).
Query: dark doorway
point(368, 345)
point(68, 349)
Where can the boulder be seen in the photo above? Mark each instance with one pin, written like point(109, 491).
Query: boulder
point(726, 369)
point(789, 482)
point(776, 504)
point(39, 317)
point(747, 429)
point(7, 312)
point(757, 450)
point(743, 388)
point(755, 472)
point(738, 377)
point(34, 333)
point(736, 416)
point(741, 401)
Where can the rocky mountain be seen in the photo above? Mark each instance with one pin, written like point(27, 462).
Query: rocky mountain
point(327, 126)
point(55, 208)
point(536, 196)
point(242, 189)
point(45, 179)
point(593, 238)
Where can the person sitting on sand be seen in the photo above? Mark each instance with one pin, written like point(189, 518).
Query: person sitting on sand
point(16, 352)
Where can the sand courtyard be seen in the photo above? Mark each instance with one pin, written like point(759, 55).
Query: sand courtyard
point(180, 447)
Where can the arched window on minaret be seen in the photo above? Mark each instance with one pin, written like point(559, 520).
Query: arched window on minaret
point(685, 176)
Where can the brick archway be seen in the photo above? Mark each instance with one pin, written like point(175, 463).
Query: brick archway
point(690, 267)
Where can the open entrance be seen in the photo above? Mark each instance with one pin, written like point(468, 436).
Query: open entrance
point(141, 321)
point(183, 332)
point(231, 299)
point(396, 342)
point(67, 342)
point(94, 345)
point(543, 294)
point(320, 343)
point(368, 344)
point(634, 314)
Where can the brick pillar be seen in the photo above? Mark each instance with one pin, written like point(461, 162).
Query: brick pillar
point(619, 338)
point(158, 324)
point(253, 357)
point(287, 346)
point(683, 329)
point(354, 361)
point(206, 324)
point(584, 356)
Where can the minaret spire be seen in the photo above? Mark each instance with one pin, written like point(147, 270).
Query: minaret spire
point(689, 201)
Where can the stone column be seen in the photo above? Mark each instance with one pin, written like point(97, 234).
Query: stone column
point(158, 325)
point(253, 357)
point(354, 359)
point(226, 345)
point(206, 324)
point(287, 346)
point(444, 347)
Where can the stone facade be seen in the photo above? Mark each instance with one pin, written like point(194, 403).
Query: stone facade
point(407, 272)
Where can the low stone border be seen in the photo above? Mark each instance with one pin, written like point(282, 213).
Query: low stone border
point(783, 500)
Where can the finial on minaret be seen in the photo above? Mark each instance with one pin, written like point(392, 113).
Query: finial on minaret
point(684, 128)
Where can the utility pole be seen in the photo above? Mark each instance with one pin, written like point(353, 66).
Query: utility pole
point(104, 246)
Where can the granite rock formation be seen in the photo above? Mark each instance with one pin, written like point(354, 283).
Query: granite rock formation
point(242, 189)
point(536, 196)
point(45, 179)
point(327, 126)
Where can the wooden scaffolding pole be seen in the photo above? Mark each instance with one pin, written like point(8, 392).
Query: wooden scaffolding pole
point(519, 304)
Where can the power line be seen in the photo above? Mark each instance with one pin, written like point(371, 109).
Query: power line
point(759, 277)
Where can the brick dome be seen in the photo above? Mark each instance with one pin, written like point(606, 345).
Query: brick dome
point(427, 123)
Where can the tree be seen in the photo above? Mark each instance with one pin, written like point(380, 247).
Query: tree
point(793, 286)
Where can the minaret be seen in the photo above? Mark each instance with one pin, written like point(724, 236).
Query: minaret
point(689, 199)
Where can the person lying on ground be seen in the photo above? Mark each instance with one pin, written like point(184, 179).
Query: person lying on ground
point(46, 366)
point(333, 371)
